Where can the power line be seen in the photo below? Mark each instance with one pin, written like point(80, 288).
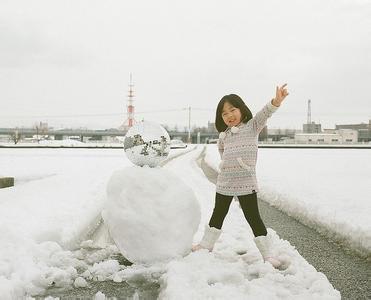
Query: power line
point(59, 116)
point(90, 115)
point(170, 110)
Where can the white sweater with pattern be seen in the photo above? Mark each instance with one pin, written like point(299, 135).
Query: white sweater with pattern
point(238, 152)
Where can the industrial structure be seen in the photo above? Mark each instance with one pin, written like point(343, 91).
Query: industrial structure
point(311, 127)
point(342, 134)
point(129, 122)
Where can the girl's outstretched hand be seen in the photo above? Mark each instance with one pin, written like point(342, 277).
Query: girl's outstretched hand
point(281, 94)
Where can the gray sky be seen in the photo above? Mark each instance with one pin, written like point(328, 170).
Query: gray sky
point(67, 62)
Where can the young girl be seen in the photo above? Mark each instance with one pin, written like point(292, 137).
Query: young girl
point(238, 146)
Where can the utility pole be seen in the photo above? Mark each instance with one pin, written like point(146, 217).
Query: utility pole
point(189, 125)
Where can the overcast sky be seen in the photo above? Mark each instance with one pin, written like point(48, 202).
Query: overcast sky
point(68, 63)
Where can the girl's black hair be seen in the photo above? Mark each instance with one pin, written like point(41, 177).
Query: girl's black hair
point(235, 101)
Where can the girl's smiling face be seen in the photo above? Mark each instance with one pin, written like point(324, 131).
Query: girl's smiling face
point(231, 115)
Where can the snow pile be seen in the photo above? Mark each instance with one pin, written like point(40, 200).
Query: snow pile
point(56, 202)
point(60, 207)
point(32, 268)
point(151, 214)
point(326, 189)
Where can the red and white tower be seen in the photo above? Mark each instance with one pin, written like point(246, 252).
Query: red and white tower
point(130, 107)
point(129, 122)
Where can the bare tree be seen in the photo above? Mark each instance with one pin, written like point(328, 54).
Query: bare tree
point(16, 137)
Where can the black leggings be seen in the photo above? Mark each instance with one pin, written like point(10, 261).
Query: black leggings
point(249, 205)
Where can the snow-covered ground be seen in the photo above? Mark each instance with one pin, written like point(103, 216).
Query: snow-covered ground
point(60, 143)
point(57, 199)
point(327, 189)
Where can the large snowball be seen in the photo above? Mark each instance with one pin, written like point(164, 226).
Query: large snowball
point(151, 214)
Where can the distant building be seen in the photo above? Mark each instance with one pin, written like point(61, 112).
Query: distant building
point(312, 128)
point(275, 135)
point(363, 129)
point(317, 138)
point(211, 127)
point(349, 135)
point(43, 126)
point(364, 135)
point(330, 136)
point(354, 126)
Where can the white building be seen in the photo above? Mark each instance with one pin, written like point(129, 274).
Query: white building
point(349, 135)
point(330, 136)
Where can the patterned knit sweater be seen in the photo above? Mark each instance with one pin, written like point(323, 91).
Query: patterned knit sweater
point(238, 150)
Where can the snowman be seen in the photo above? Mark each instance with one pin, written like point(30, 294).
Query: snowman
point(151, 214)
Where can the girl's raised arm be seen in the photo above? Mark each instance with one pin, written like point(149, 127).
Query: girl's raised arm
point(260, 119)
point(281, 94)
